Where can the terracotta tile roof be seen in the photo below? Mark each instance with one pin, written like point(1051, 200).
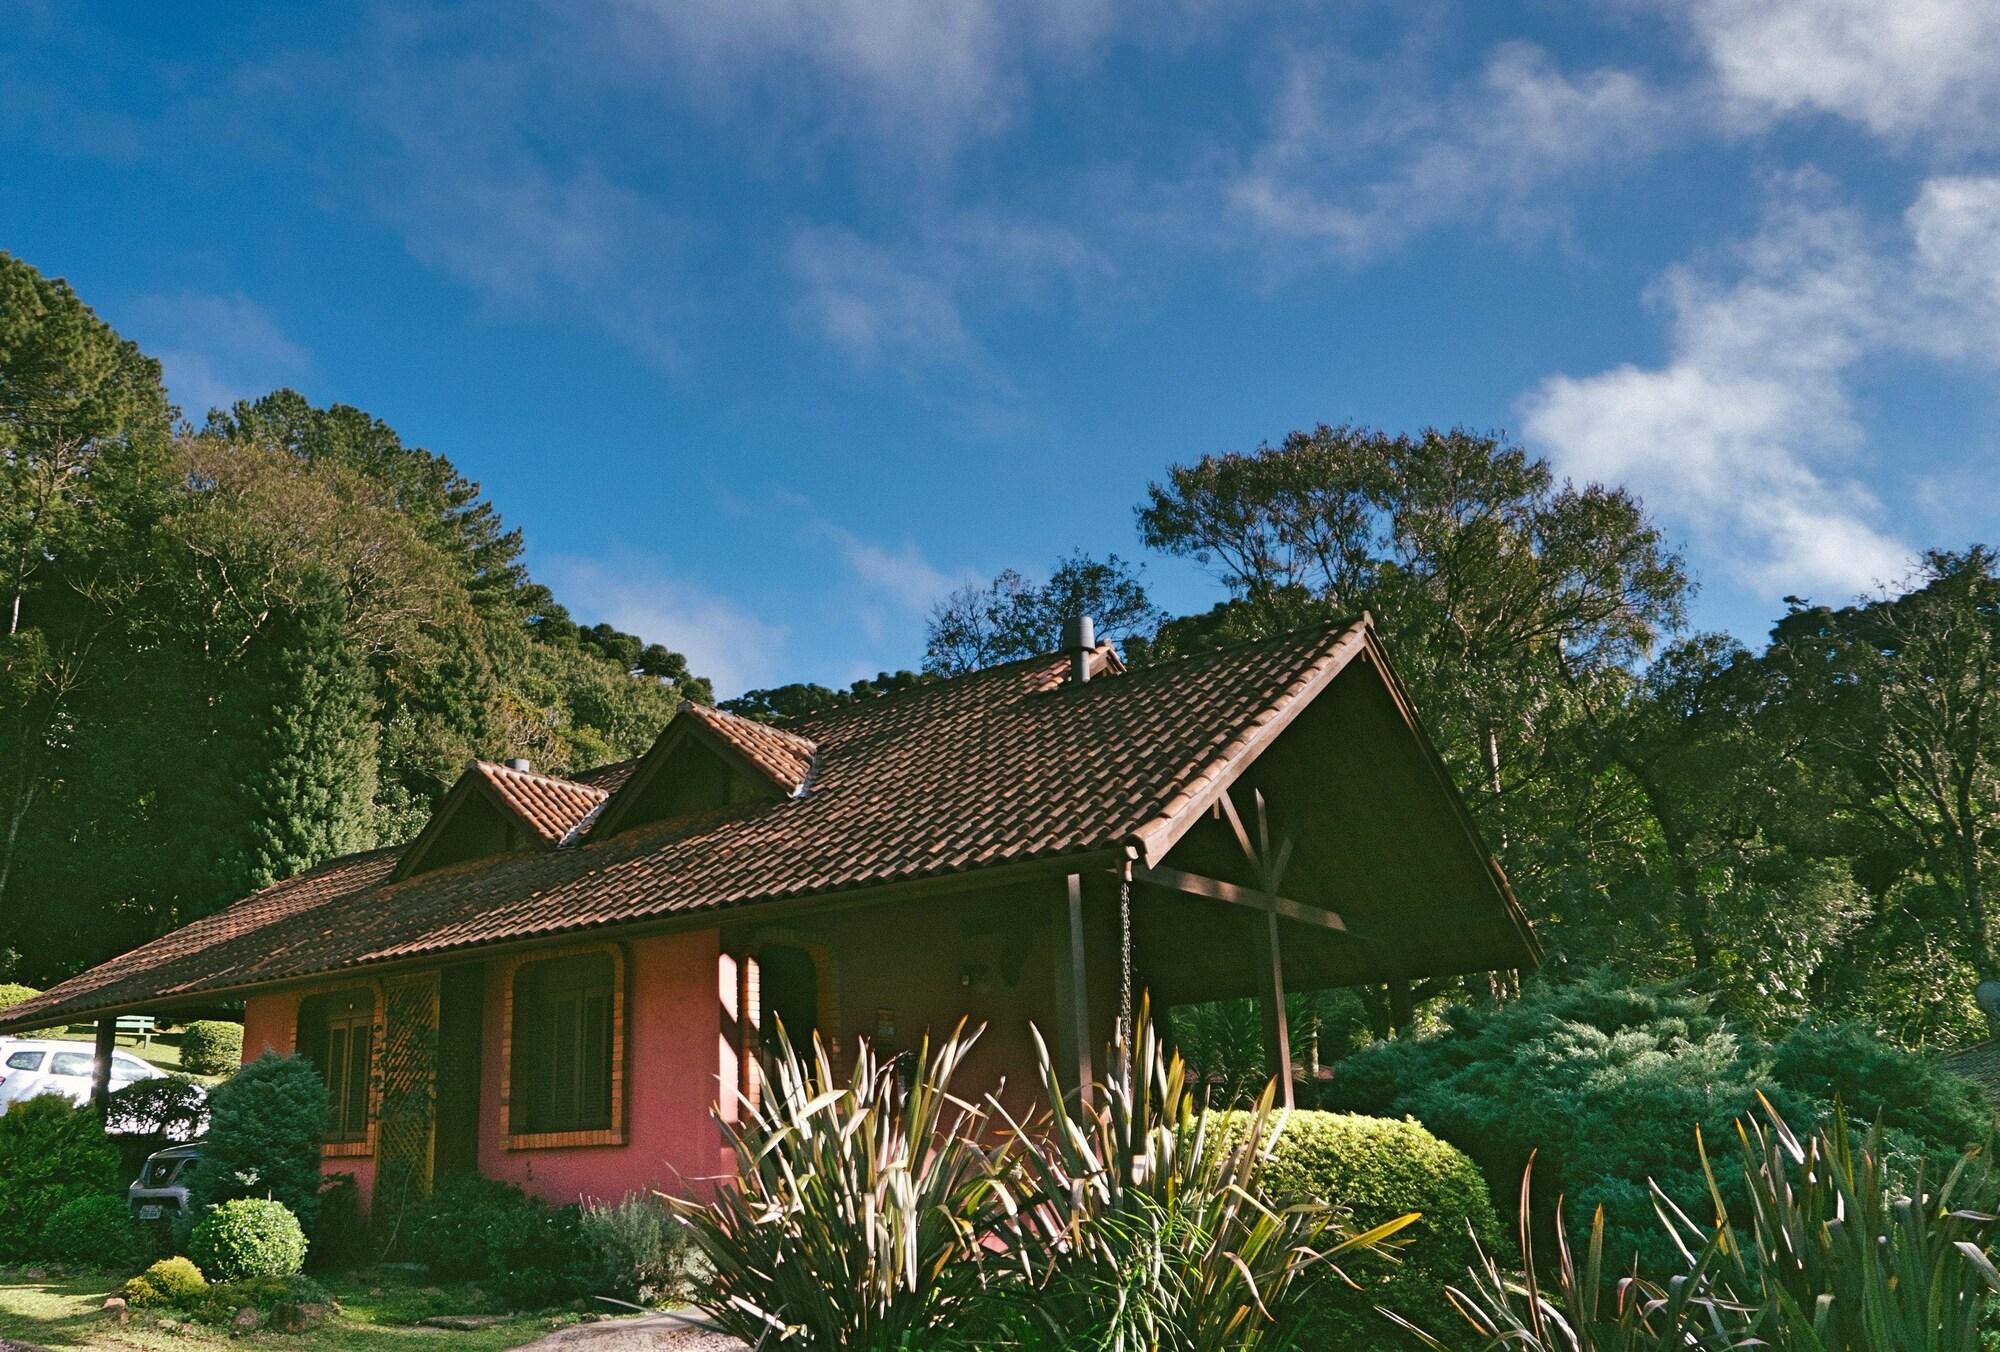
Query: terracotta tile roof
point(548, 806)
point(785, 758)
point(1011, 764)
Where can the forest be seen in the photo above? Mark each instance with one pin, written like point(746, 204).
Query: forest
point(236, 648)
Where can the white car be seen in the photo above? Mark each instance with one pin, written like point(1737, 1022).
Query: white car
point(32, 1066)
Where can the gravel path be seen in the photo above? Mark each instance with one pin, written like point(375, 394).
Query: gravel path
point(641, 1333)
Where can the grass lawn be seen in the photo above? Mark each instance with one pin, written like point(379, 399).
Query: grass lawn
point(378, 1311)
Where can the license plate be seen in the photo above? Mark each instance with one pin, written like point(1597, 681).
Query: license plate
point(150, 1211)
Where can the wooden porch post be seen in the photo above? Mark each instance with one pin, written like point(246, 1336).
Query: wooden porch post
point(100, 1069)
point(1072, 1049)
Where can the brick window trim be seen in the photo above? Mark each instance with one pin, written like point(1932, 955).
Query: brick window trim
point(365, 1147)
point(620, 994)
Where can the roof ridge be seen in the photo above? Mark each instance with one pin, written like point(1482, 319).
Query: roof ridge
point(504, 768)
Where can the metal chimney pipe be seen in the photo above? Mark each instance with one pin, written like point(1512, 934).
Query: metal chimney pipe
point(1079, 641)
point(524, 766)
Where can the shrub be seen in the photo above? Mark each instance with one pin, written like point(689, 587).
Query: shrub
point(211, 1047)
point(539, 1255)
point(340, 1239)
point(219, 1303)
point(170, 1108)
point(1831, 1252)
point(13, 993)
point(50, 1153)
point(1375, 1170)
point(248, 1237)
point(476, 1229)
point(858, 1205)
point(645, 1251)
point(167, 1282)
point(1608, 1083)
point(93, 1231)
point(448, 1233)
point(265, 1127)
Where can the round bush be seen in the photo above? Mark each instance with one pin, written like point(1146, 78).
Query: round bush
point(1375, 1170)
point(249, 1237)
point(51, 1151)
point(166, 1282)
point(13, 993)
point(96, 1230)
point(211, 1047)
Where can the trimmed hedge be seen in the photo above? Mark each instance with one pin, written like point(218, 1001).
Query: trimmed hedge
point(211, 1047)
point(13, 993)
point(1376, 1169)
point(249, 1237)
point(51, 1152)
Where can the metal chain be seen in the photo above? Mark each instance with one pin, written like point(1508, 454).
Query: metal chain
point(1125, 961)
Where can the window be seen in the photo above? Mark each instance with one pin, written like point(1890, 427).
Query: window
point(125, 1069)
point(337, 1034)
point(564, 1052)
point(25, 1061)
point(71, 1063)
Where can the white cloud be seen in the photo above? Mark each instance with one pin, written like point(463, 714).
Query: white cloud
point(1490, 149)
point(902, 303)
point(913, 72)
point(217, 349)
point(723, 640)
point(1747, 436)
point(1901, 68)
point(902, 575)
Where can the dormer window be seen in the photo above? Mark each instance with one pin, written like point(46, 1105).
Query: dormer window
point(706, 760)
point(495, 809)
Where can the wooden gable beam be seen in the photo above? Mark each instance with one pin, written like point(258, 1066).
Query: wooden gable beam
point(1216, 889)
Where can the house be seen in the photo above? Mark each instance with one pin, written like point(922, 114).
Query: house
point(561, 979)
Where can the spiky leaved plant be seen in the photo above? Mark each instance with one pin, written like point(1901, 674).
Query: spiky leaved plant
point(1838, 1256)
point(1139, 1226)
point(857, 1215)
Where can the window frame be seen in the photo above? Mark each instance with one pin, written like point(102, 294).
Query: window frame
point(510, 972)
point(347, 1145)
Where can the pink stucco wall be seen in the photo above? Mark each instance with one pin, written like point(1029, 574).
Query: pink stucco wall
point(923, 964)
point(673, 1020)
point(271, 1024)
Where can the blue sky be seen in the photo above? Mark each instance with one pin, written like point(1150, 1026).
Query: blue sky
point(769, 322)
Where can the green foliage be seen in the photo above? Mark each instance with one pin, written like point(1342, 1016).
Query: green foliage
point(858, 1207)
point(94, 1230)
point(1606, 1082)
point(1828, 1252)
point(1145, 1227)
point(648, 1253)
point(341, 1235)
point(166, 1108)
point(1376, 1170)
point(1012, 618)
point(477, 1229)
point(880, 1211)
point(170, 1281)
point(804, 700)
point(211, 1047)
point(51, 1152)
point(248, 1237)
point(218, 1303)
point(266, 1124)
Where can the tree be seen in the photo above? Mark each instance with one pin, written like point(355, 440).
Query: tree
point(1514, 604)
point(1011, 618)
point(1893, 704)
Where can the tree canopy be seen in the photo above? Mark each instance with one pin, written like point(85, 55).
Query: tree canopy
point(233, 653)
